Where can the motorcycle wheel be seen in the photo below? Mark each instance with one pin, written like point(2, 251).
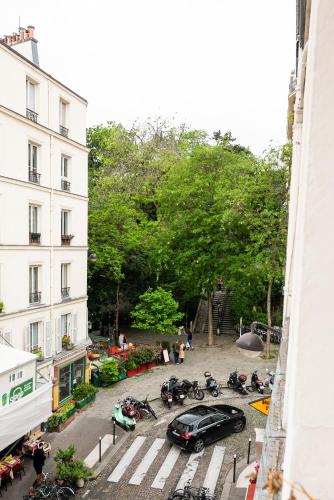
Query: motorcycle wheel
point(181, 401)
point(169, 404)
point(132, 427)
point(214, 393)
point(192, 394)
point(144, 413)
point(199, 395)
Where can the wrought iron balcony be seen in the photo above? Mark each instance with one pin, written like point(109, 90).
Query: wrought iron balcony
point(65, 185)
point(35, 238)
point(34, 176)
point(32, 115)
point(63, 130)
point(65, 292)
point(66, 239)
point(35, 297)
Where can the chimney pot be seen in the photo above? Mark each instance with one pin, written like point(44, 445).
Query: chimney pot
point(31, 31)
point(21, 35)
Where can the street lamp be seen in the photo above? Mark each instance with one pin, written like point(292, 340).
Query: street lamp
point(250, 344)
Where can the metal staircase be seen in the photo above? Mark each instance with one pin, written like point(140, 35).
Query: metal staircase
point(221, 313)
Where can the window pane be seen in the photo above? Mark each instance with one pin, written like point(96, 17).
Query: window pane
point(64, 166)
point(64, 382)
point(30, 95)
point(34, 336)
point(79, 371)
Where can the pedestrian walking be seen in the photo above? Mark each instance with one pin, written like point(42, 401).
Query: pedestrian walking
point(190, 339)
point(176, 350)
point(220, 282)
point(181, 352)
point(38, 462)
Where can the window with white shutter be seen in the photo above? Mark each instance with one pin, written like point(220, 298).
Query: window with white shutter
point(74, 328)
point(58, 336)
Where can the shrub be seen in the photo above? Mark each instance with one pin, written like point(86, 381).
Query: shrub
point(109, 371)
point(70, 468)
point(82, 391)
point(131, 363)
point(59, 416)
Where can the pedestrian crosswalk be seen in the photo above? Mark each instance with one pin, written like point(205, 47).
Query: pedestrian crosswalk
point(142, 459)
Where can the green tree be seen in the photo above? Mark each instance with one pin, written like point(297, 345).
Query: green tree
point(157, 312)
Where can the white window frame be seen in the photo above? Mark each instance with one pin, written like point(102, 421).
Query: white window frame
point(34, 218)
point(31, 95)
point(65, 324)
point(33, 156)
point(65, 165)
point(63, 112)
point(65, 222)
point(32, 334)
point(64, 274)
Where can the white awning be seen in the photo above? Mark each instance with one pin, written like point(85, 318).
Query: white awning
point(21, 417)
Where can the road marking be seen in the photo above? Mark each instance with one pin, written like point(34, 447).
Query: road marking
point(166, 468)
point(213, 471)
point(190, 470)
point(159, 423)
point(119, 470)
point(93, 457)
point(147, 461)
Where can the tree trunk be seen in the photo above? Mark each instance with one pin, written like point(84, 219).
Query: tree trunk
point(270, 286)
point(117, 312)
point(210, 327)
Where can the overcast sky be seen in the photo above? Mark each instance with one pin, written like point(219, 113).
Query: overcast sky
point(213, 64)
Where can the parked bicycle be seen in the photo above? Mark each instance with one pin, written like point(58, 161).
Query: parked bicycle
point(50, 490)
point(191, 493)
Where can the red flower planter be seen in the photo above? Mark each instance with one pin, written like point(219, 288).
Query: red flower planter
point(130, 373)
point(151, 365)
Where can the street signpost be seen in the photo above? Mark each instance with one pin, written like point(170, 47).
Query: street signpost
point(262, 404)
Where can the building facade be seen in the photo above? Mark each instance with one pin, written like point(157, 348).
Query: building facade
point(300, 429)
point(43, 208)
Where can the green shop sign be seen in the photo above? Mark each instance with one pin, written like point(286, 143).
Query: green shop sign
point(21, 390)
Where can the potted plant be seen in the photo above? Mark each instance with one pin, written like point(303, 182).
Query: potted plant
point(109, 372)
point(70, 468)
point(39, 353)
point(69, 346)
point(65, 340)
point(83, 394)
point(2, 306)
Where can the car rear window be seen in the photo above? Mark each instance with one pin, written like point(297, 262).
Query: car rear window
point(182, 428)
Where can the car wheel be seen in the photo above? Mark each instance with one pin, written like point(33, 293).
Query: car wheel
point(238, 426)
point(199, 395)
point(199, 445)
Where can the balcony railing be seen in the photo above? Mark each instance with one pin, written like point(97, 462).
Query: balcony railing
point(63, 130)
point(34, 176)
point(66, 239)
point(65, 185)
point(35, 238)
point(35, 297)
point(65, 292)
point(292, 86)
point(32, 115)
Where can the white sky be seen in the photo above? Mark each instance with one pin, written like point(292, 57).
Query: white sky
point(213, 64)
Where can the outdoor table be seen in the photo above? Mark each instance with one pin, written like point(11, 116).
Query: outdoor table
point(4, 474)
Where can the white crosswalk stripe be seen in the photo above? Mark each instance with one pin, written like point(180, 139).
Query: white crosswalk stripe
point(147, 461)
point(190, 470)
point(119, 470)
point(213, 471)
point(169, 462)
point(166, 468)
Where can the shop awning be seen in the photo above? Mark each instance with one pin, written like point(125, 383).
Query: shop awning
point(21, 417)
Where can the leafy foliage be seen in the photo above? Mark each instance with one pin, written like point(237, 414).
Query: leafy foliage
point(70, 468)
point(82, 391)
point(109, 371)
point(157, 312)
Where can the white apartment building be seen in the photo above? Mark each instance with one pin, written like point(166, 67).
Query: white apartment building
point(43, 215)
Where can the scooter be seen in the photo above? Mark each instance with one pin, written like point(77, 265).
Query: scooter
point(211, 384)
point(237, 382)
point(127, 423)
point(256, 383)
point(269, 382)
point(166, 393)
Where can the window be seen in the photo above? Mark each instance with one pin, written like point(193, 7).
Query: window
point(79, 371)
point(33, 336)
point(34, 293)
point(65, 229)
point(34, 176)
point(65, 289)
point(65, 382)
point(65, 184)
point(31, 100)
point(204, 423)
point(65, 324)
point(34, 234)
point(218, 418)
point(15, 376)
point(63, 117)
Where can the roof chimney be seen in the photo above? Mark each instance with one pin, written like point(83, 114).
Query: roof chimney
point(24, 43)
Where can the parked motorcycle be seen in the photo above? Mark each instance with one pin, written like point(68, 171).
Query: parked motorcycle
point(211, 384)
point(132, 407)
point(237, 382)
point(166, 393)
point(176, 389)
point(127, 423)
point(193, 389)
point(269, 382)
point(256, 383)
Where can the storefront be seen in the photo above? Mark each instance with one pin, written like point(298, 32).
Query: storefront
point(67, 373)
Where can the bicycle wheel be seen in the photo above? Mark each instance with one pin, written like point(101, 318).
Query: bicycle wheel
point(64, 492)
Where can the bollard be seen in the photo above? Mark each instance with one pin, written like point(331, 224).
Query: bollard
point(234, 466)
point(114, 432)
point(100, 449)
point(249, 449)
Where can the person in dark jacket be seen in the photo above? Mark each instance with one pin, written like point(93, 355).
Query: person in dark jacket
point(38, 461)
point(190, 339)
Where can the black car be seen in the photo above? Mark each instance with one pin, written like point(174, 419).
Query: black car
point(202, 425)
